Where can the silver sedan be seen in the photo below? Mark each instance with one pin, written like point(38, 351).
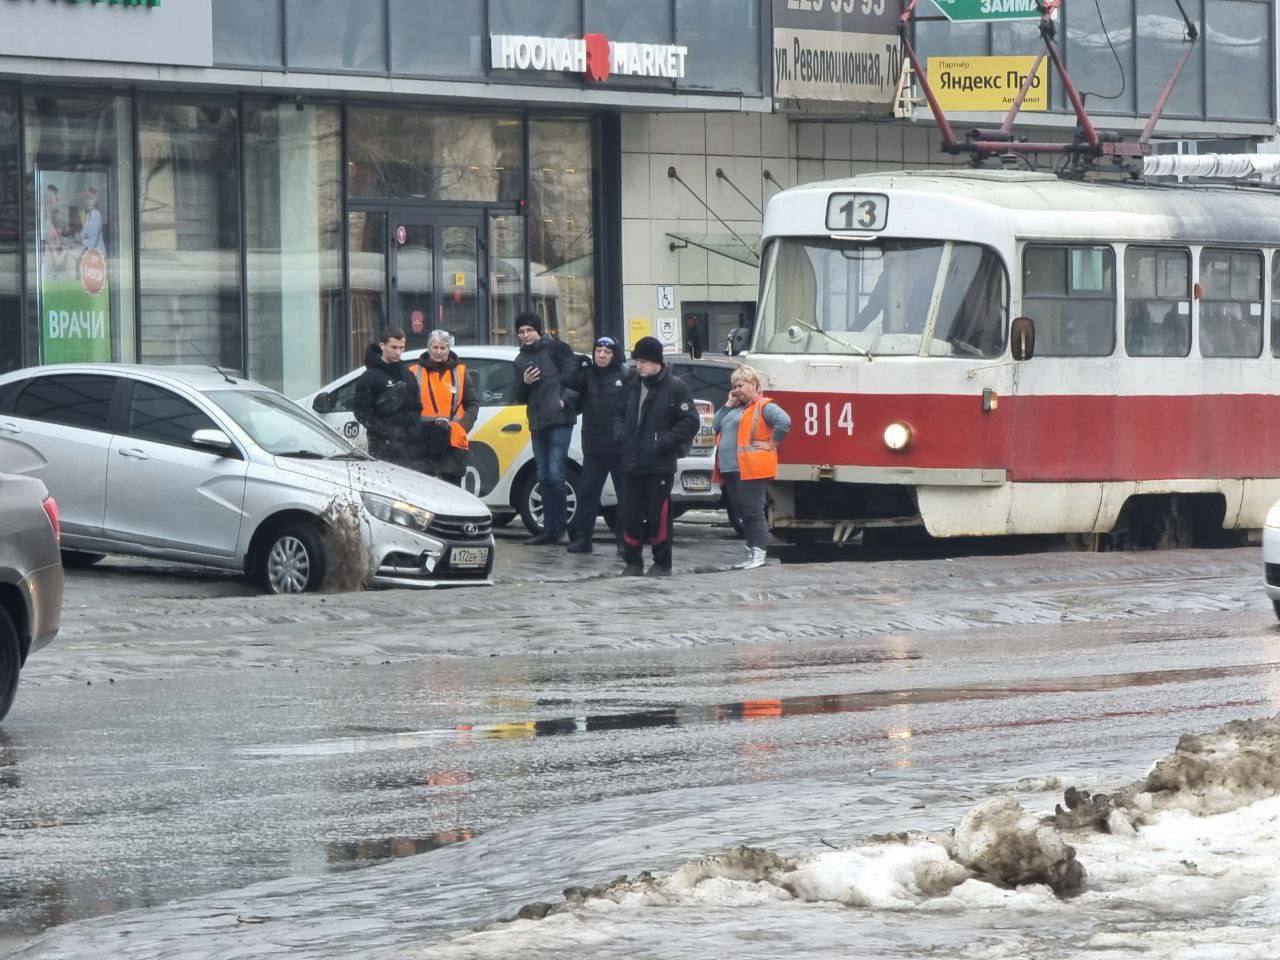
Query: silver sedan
point(200, 467)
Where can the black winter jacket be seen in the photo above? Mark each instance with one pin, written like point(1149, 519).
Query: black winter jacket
point(601, 391)
point(552, 401)
point(387, 410)
point(652, 439)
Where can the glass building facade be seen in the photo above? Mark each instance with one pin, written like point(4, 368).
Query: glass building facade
point(355, 164)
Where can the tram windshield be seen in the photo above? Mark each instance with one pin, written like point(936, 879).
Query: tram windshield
point(883, 298)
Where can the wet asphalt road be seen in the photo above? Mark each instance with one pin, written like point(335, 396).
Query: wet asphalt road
point(185, 738)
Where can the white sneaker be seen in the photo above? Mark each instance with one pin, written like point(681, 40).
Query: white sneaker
point(757, 559)
point(746, 558)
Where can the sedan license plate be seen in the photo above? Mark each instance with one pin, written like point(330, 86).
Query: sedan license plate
point(468, 556)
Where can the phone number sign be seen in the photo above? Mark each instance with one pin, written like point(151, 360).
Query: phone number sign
point(989, 9)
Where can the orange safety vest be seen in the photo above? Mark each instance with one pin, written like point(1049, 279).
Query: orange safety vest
point(439, 395)
point(755, 462)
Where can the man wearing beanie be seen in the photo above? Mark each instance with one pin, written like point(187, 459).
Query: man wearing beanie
point(601, 384)
point(545, 370)
point(656, 422)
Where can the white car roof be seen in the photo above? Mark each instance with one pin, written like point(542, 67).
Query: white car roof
point(200, 379)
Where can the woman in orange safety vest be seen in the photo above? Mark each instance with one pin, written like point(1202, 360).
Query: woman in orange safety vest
point(749, 428)
point(449, 408)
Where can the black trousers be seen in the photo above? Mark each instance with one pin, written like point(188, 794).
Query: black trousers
point(646, 516)
point(595, 470)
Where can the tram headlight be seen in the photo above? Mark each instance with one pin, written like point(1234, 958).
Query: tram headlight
point(1273, 517)
point(897, 435)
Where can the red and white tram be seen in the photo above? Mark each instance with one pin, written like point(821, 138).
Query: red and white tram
point(1141, 400)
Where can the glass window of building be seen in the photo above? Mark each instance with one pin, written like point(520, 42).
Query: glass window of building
point(723, 37)
point(78, 208)
point(634, 23)
point(10, 238)
point(248, 33)
point(506, 276)
point(1101, 43)
point(437, 38)
point(1238, 59)
point(561, 236)
point(1161, 44)
point(367, 257)
point(293, 237)
point(545, 18)
point(189, 233)
point(414, 155)
point(336, 35)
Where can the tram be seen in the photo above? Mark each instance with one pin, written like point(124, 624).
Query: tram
point(985, 352)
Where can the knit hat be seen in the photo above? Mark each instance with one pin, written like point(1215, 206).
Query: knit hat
point(607, 341)
point(528, 320)
point(647, 348)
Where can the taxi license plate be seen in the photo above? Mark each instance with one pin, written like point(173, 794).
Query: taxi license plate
point(468, 556)
point(696, 482)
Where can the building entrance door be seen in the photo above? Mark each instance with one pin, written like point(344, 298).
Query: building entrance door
point(438, 274)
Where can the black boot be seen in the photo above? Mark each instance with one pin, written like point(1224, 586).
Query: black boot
point(633, 570)
point(658, 571)
point(546, 537)
point(580, 545)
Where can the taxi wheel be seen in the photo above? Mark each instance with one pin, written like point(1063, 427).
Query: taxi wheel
point(529, 502)
point(1275, 605)
point(10, 662)
point(293, 560)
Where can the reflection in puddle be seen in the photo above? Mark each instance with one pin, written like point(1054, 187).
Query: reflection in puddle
point(354, 854)
point(752, 710)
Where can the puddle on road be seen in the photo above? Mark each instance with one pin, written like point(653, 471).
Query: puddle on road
point(745, 710)
point(356, 854)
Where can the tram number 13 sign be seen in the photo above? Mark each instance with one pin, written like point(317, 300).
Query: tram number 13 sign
point(857, 211)
point(989, 9)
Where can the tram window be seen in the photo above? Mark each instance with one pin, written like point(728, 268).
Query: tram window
point(1069, 291)
point(1231, 303)
point(1157, 302)
point(1275, 304)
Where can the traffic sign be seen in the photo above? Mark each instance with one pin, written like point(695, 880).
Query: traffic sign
point(989, 9)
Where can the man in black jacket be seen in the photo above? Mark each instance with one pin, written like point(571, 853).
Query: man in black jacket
point(387, 402)
point(656, 422)
point(601, 384)
point(545, 370)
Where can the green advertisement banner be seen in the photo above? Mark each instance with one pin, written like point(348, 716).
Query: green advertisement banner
point(989, 9)
point(74, 294)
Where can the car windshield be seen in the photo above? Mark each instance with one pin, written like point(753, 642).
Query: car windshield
point(281, 427)
point(883, 298)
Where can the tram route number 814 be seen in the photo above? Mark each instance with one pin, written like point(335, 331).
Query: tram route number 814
point(820, 418)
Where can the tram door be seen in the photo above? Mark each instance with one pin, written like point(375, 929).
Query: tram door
point(437, 275)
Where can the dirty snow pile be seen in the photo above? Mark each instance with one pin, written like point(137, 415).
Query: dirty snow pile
point(1203, 814)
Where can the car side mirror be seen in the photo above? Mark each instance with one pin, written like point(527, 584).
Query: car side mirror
point(322, 402)
point(739, 339)
point(214, 440)
point(1022, 338)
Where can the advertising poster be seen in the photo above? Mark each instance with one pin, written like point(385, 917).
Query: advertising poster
point(987, 83)
point(72, 265)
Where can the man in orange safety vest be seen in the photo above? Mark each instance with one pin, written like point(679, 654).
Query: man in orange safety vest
point(449, 408)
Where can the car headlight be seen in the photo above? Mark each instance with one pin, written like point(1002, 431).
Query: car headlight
point(397, 511)
point(897, 436)
point(1273, 517)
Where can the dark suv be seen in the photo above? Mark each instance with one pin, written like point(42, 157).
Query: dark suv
point(30, 577)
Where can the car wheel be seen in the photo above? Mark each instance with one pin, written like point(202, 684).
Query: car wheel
point(10, 662)
point(1275, 605)
point(529, 502)
point(78, 560)
point(293, 560)
point(503, 519)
